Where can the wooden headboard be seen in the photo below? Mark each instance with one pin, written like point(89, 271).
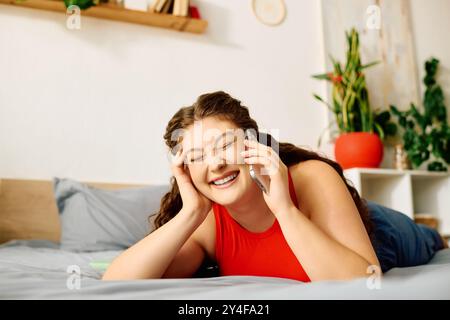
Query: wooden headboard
point(28, 209)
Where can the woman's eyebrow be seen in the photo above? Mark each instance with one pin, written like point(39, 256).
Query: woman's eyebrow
point(194, 149)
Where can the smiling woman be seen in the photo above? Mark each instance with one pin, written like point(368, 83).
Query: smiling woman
point(311, 226)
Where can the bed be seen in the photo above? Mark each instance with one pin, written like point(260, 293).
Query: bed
point(34, 265)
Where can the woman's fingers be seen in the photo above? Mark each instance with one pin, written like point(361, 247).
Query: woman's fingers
point(256, 148)
point(178, 170)
point(255, 152)
point(178, 162)
point(258, 160)
point(178, 158)
point(256, 145)
point(261, 154)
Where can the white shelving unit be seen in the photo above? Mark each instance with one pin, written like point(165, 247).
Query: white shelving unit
point(410, 192)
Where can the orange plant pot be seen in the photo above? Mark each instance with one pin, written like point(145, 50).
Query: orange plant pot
point(358, 150)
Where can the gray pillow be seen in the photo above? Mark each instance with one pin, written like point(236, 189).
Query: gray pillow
point(94, 219)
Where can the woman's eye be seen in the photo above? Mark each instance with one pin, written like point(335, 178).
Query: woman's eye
point(198, 158)
point(226, 146)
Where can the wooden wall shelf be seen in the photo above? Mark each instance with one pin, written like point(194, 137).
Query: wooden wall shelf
point(115, 12)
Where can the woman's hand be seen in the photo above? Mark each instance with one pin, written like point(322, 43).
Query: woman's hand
point(194, 202)
point(270, 166)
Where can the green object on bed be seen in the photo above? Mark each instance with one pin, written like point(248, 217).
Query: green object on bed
point(100, 265)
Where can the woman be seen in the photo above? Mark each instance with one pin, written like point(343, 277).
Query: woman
point(311, 224)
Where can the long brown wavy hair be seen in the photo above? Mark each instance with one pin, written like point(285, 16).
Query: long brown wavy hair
point(222, 105)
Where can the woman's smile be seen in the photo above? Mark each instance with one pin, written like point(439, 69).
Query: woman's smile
point(226, 181)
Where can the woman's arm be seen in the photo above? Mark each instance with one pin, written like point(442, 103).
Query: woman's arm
point(169, 251)
point(172, 250)
point(333, 243)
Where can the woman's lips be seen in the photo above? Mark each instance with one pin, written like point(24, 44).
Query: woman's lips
point(226, 185)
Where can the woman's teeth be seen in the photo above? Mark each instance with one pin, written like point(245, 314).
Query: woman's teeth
point(225, 180)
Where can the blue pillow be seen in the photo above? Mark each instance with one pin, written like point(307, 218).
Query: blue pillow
point(398, 241)
point(94, 219)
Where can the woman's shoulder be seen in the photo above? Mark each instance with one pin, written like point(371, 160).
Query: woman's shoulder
point(308, 178)
point(310, 168)
point(311, 172)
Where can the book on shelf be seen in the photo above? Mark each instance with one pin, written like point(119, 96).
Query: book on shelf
point(181, 8)
point(194, 13)
point(151, 6)
point(167, 8)
point(157, 5)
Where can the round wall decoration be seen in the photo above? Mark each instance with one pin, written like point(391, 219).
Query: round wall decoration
point(270, 12)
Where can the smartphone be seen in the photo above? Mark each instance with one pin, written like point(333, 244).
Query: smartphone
point(255, 173)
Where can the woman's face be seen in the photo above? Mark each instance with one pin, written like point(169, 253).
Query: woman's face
point(214, 162)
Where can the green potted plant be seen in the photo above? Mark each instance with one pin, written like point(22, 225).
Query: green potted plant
point(361, 129)
point(426, 135)
point(82, 4)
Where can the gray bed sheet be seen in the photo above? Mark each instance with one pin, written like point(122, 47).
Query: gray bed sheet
point(38, 269)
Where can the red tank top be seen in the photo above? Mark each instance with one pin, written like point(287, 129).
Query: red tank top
point(242, 252)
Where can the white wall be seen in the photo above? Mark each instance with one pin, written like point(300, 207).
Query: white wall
point(431, 28)
point(93, 104)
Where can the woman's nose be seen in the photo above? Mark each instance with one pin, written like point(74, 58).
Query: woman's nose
point(215, 160)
